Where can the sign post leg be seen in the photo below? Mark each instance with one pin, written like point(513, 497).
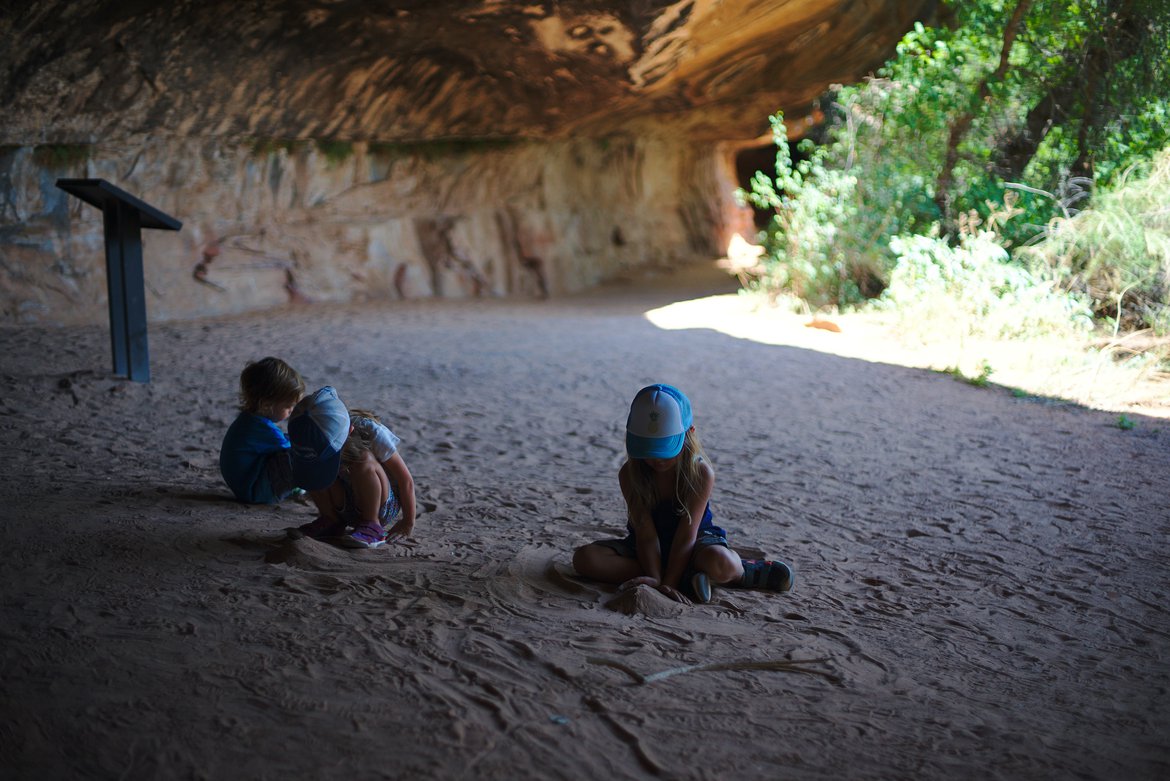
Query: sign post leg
point(116, 288)
point(134, 295)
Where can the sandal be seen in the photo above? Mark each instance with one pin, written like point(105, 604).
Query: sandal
point(770, 575)
point(701, 588)
point(368, 535)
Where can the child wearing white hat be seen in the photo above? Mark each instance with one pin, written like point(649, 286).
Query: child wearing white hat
point(672, 543)
point(349, 463)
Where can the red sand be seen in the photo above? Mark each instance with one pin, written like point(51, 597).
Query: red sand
point(981, 577)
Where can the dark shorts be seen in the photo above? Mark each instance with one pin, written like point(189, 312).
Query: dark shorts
point(278, 470)
point(625, 546)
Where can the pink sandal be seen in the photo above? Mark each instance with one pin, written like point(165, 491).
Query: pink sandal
point(368, 535)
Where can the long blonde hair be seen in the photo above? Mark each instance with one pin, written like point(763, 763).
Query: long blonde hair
point(361, 438)
point(643, 495)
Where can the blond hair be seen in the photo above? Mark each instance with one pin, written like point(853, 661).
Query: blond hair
point(269, 382)
point(361, 438)
point(688, 479)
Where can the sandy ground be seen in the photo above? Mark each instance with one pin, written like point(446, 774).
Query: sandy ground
point(981, 588)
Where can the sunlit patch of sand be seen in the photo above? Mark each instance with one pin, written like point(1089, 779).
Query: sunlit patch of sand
point(1037, 367)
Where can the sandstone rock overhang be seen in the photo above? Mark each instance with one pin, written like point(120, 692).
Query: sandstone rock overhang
point(84, 71)
point(351, 150)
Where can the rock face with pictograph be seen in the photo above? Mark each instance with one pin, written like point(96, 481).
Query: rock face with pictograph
point(319, 151)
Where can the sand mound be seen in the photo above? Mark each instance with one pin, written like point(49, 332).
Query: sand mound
point(645, 601)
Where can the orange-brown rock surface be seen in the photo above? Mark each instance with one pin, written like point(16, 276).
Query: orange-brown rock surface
point(329, 151)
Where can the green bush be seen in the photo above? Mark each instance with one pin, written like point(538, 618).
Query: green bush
point(334, 152)
point(60, 157)
point(814, 254)
point(265, 147)
point(992, 108)
point(1117, 252)
point(974, 288)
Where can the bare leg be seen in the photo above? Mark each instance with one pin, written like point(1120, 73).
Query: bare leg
point(600, 562)
point(370, 488)
point(721, 564)
point(329, 502)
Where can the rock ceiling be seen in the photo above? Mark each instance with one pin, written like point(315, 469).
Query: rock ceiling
point(82, 72)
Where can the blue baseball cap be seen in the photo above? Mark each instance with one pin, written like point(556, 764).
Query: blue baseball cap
point(317, 430)
point(660, 417)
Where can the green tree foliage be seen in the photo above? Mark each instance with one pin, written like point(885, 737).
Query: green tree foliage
point(1050, 101)
point(809, 256)
point(1056, 95)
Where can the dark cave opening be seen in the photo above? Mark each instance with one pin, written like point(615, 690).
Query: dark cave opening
point(761, 158)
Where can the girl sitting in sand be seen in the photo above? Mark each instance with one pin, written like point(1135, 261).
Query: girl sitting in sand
point(350, 465)
point(671, 540)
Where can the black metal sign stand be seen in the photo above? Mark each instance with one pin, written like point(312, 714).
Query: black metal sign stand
point(125, 217)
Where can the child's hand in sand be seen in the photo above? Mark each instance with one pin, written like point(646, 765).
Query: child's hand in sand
point(674, 594)
point(661, 588)
point(400, 531)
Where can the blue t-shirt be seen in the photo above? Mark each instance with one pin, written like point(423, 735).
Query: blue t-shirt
point(243, 458)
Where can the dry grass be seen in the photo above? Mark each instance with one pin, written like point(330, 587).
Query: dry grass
point(1118, 250)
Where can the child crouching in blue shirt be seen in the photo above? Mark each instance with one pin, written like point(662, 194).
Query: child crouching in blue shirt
point(254, 456)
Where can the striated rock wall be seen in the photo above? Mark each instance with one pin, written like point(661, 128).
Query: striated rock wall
point(318, 150)
point(269, 224)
